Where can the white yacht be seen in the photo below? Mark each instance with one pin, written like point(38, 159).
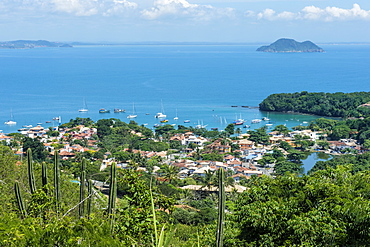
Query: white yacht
point(256, 121)
point(10, 122)
point(176, 118)
point(84, 108)
point(133, 115)
point(161, 114)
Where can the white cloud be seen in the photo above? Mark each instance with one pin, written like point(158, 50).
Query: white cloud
point(315, 13)
point(77, 7)
point(286, 15)
point(184, 9)
point(268, 14)
point(71, 7)
point(335, 13)
point(119, 6)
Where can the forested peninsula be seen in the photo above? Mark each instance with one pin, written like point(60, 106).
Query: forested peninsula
point(323, 104)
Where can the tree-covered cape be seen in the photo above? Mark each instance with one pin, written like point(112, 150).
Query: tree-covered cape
point(327, 208)
point(322, 104)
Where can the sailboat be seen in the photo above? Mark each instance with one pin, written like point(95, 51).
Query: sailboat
point(133, 112)
point(176, 118)
point(239, 121)
point(84, 108)
point(161, 114)
point(11, 121)
point(200, 125)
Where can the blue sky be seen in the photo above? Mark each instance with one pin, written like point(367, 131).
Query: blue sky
point(185, 20)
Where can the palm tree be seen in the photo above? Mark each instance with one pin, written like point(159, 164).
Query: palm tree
point(170, 173)
point(208, 179)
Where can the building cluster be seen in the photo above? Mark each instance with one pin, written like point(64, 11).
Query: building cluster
point(241, 167)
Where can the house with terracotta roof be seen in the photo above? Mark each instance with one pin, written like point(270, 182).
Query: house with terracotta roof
point(229, 157)
point(219, 147)
point(245, 144)
point(37, 131)
point(239, 176)
point(178, 137)
point(234, 163)
point(5, 138)
point(194, 139)
point(64, 155)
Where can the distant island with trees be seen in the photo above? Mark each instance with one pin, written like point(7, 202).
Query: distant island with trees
point(25, 44)
point(338, 104)
point(290, 45)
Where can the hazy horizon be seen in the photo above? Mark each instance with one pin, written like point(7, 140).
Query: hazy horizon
point(237, 21)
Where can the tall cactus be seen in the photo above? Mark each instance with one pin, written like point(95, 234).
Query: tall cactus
point(112, 193)
point(221, 208)
point(44, 176)
point(56, 180)
point(82, 189)
point(31, 176)
point(20, 202)
point(89, 201)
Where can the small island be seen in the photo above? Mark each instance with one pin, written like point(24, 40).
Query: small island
point(26, 44)
point(290, 45)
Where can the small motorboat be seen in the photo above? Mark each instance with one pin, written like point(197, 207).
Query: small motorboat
point(102, 110)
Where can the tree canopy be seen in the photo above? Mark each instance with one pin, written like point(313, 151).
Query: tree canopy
point(322, 104)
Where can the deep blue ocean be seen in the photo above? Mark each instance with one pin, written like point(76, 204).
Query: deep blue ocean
point(200, 82)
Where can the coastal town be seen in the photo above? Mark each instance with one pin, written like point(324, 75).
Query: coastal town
point(241, 156)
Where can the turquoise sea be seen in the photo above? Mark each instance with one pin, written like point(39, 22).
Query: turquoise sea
point(200, 82)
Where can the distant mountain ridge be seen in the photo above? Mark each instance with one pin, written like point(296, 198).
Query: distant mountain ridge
point(290, 45)
point(23, 44)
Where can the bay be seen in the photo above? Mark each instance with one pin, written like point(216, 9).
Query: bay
point(200, 82)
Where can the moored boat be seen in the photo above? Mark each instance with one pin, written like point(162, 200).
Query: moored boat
point(84, 108)
point(256, 121)
point(176, 118)
point(117, 110)
point(133, 115)
point(10, 122)
point(102, 110)
point(161, 114)
point(238, 122)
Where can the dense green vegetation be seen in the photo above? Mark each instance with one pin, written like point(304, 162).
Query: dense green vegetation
point(358, 129)
point(359, 162)
point(327, 208)
point(323, 104)
point(47, 201)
